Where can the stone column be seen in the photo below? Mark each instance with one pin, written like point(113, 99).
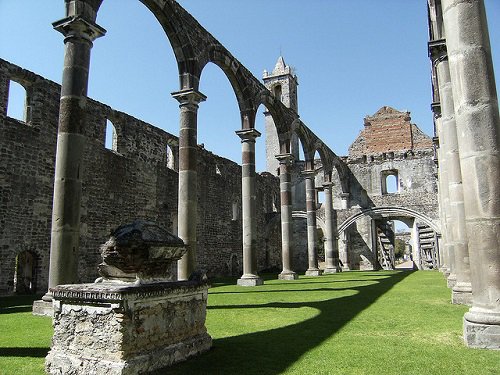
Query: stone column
point(285, 161)
point(446, 220)
point(187, 220)
point(250, 277)
point(79, 32)
point(331, 245)
point(478, 130)
point(462, 290)
point(312, 251)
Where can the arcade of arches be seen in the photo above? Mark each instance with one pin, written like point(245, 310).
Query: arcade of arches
point(220, 208)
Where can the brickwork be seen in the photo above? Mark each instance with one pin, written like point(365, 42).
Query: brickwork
point(389, 130)
point(132, 182)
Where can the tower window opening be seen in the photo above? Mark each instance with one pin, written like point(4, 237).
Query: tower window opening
point(277, 92)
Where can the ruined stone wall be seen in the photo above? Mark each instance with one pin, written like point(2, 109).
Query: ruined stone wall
point(386, 131)
point(389, 145)
point(131, 181)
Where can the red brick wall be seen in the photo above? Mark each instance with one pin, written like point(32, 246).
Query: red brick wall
point(389, 130)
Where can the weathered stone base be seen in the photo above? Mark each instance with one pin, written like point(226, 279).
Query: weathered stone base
point(462, 294)
point(288, 275)
point(331, 270)
point(250, 281)
point(314, 272)
point(115, 328)
point(480, 335)
point(43, 308)
point(451, 281)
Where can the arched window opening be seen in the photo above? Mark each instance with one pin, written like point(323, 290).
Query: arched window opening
point(170, 158)
point(17, 105)
point(110, 138)
point(236, 211)
point(276, 203)
point(25, 273)
point(320, 198)
point(217, 170)
point(390, 182)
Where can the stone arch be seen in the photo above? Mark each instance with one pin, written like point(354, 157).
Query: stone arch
point(389, 211)
point(27, 264)
point(184, 50)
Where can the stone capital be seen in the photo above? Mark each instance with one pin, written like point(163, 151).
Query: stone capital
point(188, 97)
point(438, 51)
point(78, 27)
point(327, 185)
point(248, 135)
point(436, 109)
point(309, 173)
point(286, 159)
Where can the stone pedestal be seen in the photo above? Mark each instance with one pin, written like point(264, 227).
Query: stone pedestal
point(314, 272)
point(288, 275)
point(331, 270)
point(480, 334)
point(250, 281)
point(121, 328)
point(43, 308)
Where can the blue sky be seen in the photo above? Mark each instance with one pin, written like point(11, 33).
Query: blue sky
point(351, 58)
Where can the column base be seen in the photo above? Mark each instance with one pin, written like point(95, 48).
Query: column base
point(43, 308)
point(482, 335)
point(288, 275)
point(451, 280)
point(314, 272)
point(332, 270)
point(250, 281)
point(462, 294)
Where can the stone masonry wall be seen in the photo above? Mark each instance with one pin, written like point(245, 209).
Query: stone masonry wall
point(131, 181)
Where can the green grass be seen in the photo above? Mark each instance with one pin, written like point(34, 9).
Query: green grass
point(24, 338)
point(350, 323)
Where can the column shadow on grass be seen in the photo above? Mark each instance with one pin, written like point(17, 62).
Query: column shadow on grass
point(272, 352)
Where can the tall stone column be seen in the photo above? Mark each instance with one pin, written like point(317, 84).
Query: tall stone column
point(478, 130)
point(250, 277)
point(79, 32)
point(462, 290)
point(331, 244)
point(446, 220)
point(285, 161)
point(187, 220)
point(312, 251)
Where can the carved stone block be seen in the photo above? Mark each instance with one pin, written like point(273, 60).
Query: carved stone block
point(117, 328)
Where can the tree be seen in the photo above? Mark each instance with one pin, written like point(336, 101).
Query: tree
point(399, 248)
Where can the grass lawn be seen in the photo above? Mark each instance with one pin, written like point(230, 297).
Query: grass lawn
point(387, 322)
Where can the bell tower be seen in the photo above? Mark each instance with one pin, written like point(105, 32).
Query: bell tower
point(282, 82)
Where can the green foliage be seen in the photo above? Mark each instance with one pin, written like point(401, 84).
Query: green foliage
point(386, 322)
point(399, 248)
